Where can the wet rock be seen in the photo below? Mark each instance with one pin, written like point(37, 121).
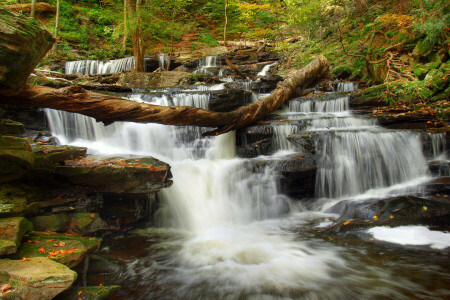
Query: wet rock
point(305, 141)
point(38, 278)
point(439, 168)
point(11, 232)
point(161, 79)
point(13, 200)
point(68, 250)
point(117, 175)
point(253, 134)
point(392, 212)
point(228, 99)
point(261, 147)
point(48, 156)
point(89, 292)
point(86, 223)
point(267, 83)
point(32, 118)
point(42, 137)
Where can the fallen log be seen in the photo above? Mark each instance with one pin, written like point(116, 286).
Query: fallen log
point(26, 7)
point(109, 109)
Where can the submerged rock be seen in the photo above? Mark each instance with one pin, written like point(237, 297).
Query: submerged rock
point(65, 249)
point(11, 232)
point(37, 278)
point(392, 212)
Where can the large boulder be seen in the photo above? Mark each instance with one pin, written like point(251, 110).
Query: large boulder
point(38, 278)
point(11, 232)
point(23, 44)
point(15, 158)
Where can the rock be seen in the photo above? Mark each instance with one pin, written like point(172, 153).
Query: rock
point(68, 250)
point(392, 212)
point(267, 83)
point(161, 79)
point(38, 278)
point(23, 44)
point(253, 134)
point(13, 200)
point(261, 147)
point(53, 222)
point(47, 156)
point(89, 292)
point(439, 168)
point(116, 175)
point(86, 223)
point(305, 141)
point(228, 99)
point(32, 118)
point(12, 230)
point(9, 127)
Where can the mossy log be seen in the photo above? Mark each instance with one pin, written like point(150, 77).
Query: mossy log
point(26, 7)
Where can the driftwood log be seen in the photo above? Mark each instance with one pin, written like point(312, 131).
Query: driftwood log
point(109, 109)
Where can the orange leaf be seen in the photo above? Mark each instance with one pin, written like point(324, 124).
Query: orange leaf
point(346, 222)
point(56, 245)
point(80, 292)
point(53, 253)
point(42, 250)
point(33, 242)
point(25, 259)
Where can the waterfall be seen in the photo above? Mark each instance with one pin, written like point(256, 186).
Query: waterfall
point(265, 70)
point(207, 64)
point(95, 67)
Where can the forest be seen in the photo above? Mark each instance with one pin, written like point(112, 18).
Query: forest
point(258, 149)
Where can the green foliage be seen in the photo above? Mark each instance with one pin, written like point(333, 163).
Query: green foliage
point(208, 38)
point(433, 20)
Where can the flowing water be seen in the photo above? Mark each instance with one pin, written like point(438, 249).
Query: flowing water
point(226, 230)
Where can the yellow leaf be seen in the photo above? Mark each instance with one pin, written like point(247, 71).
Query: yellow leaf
point(375, 217)
point(391, 216)
point(346, 222)
point(425, 208)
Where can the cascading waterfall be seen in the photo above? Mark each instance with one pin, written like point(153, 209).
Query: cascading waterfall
point(207, 64)
point(227, 231)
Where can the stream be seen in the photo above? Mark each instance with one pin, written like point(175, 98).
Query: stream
point(226, 229)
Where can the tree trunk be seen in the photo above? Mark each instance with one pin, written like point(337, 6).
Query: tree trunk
point(135, 15)
point(33, 9)
point(56, 25)
point(109, 109)
point(125, 25)
point(226, 24)
point(27, 7)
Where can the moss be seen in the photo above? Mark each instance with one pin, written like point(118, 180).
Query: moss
point(342, 72)
point(90, 292)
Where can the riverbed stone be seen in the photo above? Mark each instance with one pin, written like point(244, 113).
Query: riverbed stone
point(48, 156)
point(66, 249)
point(12, 231)
point(37, 278)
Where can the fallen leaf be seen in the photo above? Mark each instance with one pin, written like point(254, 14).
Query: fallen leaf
point(6, 287)
point(346, 222)
point(42, 250)
point(80, 292)
point(61, 244)
point(100, 286)
point(32, 242)
point(92, 215)
point(25, 259)
point(56, 245)
point(375, 217)
point(425, 208)
point(391, 216)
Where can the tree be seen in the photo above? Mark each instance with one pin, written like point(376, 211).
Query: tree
point(225, 24)
point(125, 25)
point(33, 9)
point(135, 17)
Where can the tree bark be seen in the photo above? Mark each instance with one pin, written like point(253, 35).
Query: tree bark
point(57, 18)
point(109, 109)
point(33, 9)
point(135, 15)
point(226, 24)
point(125, 25)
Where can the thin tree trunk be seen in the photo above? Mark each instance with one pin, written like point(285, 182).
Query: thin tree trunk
point(171, 41)
point(226, 24)
point(109, 109)
point(56, 25)
point(136, 35)
point(125, 25)
point(33, 9)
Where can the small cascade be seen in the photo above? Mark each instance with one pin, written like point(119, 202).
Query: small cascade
point(96, 67)
point(266, 70)
point(207, 64)
point(439, 145)
point(321, 106)
point(347, 87)
point(163, 59)
point(353, 162)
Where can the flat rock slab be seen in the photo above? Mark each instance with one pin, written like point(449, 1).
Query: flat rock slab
point(62, 248)
point(117, 175)
point(36, 278)
point(11, 232)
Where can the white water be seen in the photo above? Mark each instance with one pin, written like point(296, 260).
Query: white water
point(237, 229)
point(207, 64)
point(94, 67)
point(266, 70)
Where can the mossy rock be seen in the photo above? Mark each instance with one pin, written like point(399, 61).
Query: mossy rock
point(48, 156)
point(54, 222)
point(13, 229)
point(14, 143)
point(86, 223)
point(10, 127)
point(342, 72)
point(23, 44)
point(65, 249)
point(37, 278)
point(89, 292)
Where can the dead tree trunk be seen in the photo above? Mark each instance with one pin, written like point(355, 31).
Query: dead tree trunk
point(109, 109)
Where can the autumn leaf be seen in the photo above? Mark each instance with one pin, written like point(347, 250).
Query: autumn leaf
point(25, 259)
point(346, 222)
point(32, 242)
point(42, 250)
point(375, 218)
